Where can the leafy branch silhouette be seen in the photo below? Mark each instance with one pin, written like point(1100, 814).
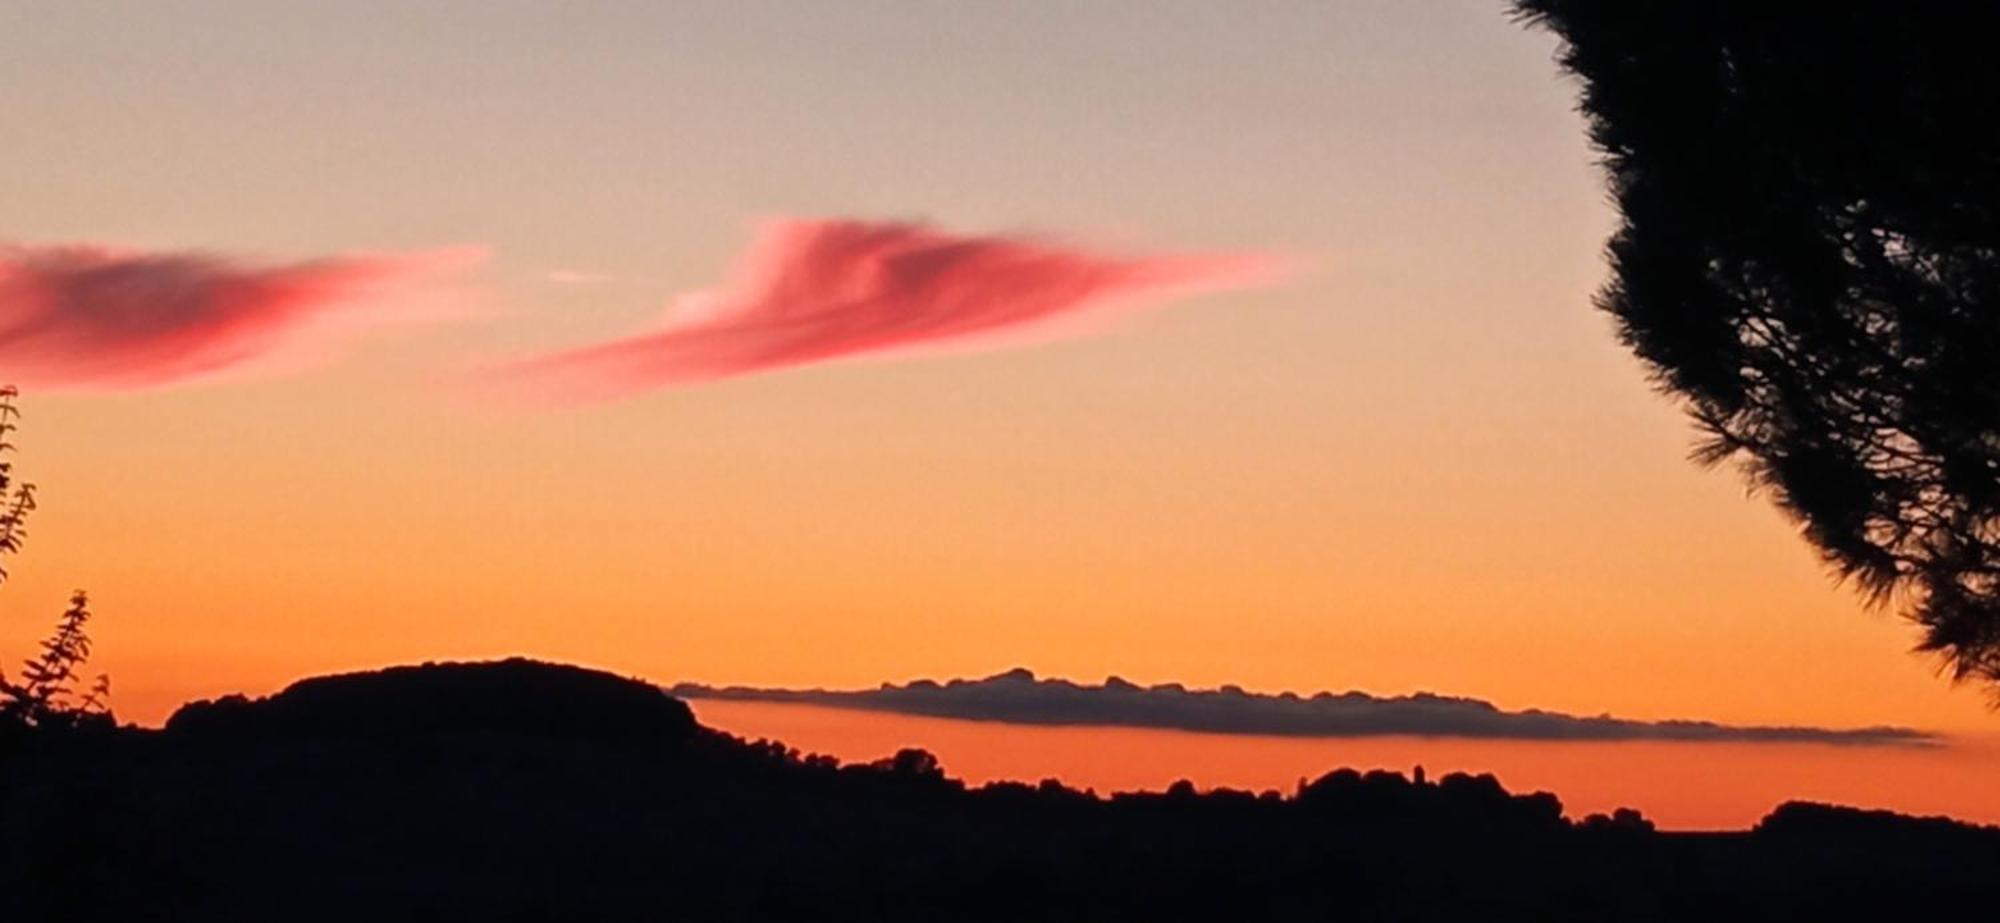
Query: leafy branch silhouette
point(45, 697)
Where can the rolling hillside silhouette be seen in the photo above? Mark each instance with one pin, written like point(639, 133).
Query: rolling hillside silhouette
point(519, 790)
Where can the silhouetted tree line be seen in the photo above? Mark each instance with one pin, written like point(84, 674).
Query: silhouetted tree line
point(526, 791)
point(1810, 258)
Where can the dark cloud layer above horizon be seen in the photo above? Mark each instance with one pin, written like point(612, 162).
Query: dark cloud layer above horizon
point(1018, 697)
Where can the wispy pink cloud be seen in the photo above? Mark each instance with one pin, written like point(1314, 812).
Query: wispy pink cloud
point(810, 291)
point(100, 318)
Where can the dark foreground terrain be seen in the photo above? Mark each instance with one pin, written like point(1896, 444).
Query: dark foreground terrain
point(526, 791)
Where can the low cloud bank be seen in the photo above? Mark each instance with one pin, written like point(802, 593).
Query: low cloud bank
point(1018, 697)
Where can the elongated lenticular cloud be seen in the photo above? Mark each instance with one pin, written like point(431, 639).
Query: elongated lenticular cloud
point(92, 317)
point(810, 291)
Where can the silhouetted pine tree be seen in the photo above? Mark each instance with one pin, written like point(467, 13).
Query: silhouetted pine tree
point(1810, 258)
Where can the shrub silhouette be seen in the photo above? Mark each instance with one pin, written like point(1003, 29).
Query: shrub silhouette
point(45, 699)
point(46, 696)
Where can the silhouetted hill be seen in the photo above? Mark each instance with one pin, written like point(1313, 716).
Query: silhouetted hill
point(515, 696)
point(526, 791)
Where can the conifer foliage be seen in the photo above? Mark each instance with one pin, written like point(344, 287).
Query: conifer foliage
point(1810, 260)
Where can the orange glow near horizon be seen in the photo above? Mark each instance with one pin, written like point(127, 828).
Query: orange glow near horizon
point(1679, 786)
point(1422, 464)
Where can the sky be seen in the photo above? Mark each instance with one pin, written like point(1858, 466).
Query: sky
point(1414, 460)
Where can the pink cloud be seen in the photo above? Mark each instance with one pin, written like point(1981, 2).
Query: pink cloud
point(811, 291)
point(98, 318)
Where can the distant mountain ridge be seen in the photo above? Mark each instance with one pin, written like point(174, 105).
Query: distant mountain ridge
point(1017, 696)
point(526, 791)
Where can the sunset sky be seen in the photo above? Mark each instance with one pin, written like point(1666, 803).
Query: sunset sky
point(1412, 459)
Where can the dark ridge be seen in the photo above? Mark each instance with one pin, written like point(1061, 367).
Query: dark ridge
point(517, 695)
point(1813, 819)
point(529, 791)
